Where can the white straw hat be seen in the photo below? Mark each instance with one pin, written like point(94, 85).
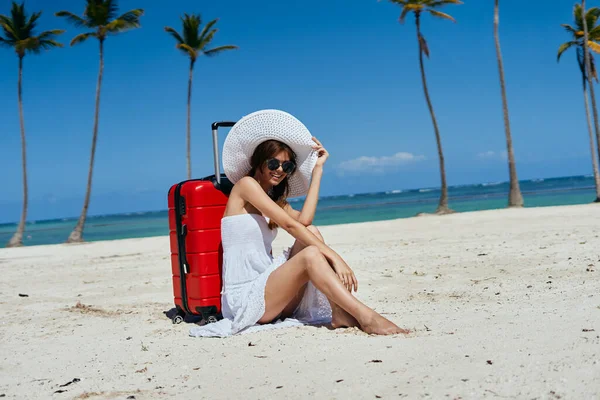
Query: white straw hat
point(263, 125)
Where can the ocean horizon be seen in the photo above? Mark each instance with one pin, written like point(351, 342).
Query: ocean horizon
point(332, 210)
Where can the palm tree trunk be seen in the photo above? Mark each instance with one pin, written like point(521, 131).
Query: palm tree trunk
point(189, 122)
point(77, 234)
point(443, 204)
point(515, 198)
point(591, 135)
point(588, 69)
point(17, 239)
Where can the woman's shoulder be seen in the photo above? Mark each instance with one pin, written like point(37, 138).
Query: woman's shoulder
point(245, 180)
point(243, 188)
point(245, 183)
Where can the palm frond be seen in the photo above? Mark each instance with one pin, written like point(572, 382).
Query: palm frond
point(591, 17)
point(18, 17)
point(90, 8)
point(191, 25)
point(82, 37)
point(28, 28)
point(76, 20)
point(580, 62)
point(30, 45)
point(414, 6)
point(48, 44)
point(204, 41)
point(99, 13)
point(594, 34)
point(440, 15)
point(91, 14)
point(217, 50)
point(188, 50)
point(120, 25)
point(594, 71)
point(440, 3)
point(132, 16)
point(564, 47)
point(577, 16)
point(115, 26)
point(9, 30)
point(423, 45)
point(580, 59)
point(207, 28)
point(49, 35)
point(593, 46)
point(174, 33)
point(403, 15)
point(111, 8)
point(571, 30)
point(4, 20)
point(419, 6)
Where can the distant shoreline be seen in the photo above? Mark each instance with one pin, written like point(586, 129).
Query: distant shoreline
point(421, 215)
point(332, 210)
point(423, 190)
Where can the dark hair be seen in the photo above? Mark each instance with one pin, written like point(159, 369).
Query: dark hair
point(262, 153)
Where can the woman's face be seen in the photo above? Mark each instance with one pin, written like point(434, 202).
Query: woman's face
point(275, 177)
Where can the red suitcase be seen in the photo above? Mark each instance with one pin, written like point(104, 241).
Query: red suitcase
point(196, 207)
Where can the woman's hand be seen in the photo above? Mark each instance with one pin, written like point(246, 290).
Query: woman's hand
point(322, 153)
point(345, 273)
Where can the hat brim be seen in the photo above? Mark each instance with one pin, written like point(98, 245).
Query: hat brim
point(263, 125)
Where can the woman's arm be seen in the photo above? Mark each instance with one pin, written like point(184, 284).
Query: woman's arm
point(249, 190)
point(306, 216)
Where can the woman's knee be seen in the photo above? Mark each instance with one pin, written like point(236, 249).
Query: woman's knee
point(311, 255)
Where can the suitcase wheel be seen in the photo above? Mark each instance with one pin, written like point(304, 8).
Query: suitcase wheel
point(178, 318)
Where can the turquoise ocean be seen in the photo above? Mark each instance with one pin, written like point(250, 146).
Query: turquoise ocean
point(331, 210)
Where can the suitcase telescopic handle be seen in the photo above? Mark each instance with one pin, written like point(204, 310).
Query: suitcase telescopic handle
point(215, 129)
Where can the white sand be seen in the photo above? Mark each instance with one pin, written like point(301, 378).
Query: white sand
point(509, 286)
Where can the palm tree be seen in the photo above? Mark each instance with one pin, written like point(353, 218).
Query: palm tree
point(584, 58)
point(419, 7)
point(19, 35)
point(101, 17)
point(193, 42)
point(515, 199)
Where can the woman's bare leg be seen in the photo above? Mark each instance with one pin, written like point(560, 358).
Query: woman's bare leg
point(310, 265)
point(339, 317)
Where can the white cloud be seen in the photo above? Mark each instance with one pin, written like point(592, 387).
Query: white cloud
point(493, 155)
point(379, 164)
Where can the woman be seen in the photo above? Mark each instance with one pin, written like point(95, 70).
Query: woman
point(270, 155)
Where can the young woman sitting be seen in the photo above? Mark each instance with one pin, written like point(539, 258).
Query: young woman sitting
point(270, 155)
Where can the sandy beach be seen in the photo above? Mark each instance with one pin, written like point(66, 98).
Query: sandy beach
point(502, 304)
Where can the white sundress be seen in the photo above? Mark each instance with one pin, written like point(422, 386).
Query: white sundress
point(247, 264)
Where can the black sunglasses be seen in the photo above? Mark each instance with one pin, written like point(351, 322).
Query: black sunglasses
point(287, 166)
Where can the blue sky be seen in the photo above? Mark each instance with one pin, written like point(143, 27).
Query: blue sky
point(347, 69)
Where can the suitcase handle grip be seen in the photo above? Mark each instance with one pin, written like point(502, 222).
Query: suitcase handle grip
point(215, 128)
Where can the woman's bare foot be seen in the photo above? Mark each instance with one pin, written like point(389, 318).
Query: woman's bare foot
point(341, 319)
point(375, 324)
